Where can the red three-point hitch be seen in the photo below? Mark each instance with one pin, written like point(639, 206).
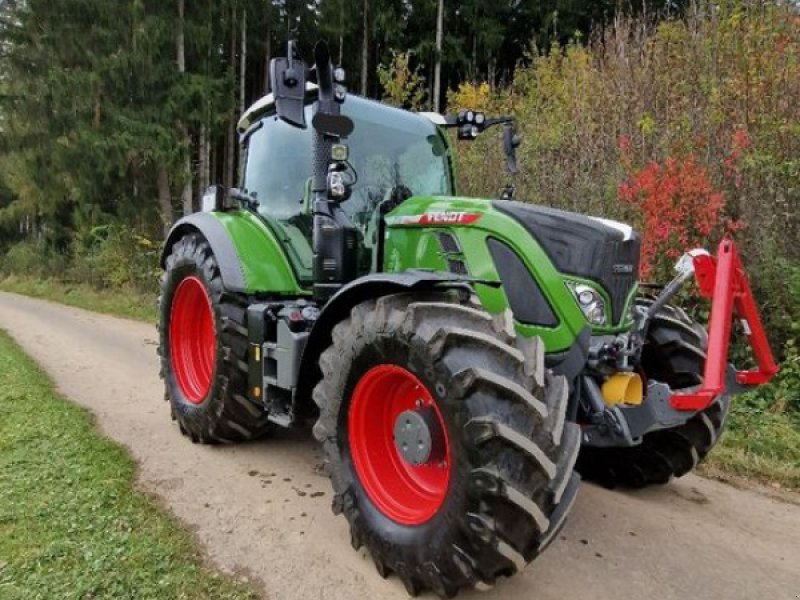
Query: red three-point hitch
point(724, 282)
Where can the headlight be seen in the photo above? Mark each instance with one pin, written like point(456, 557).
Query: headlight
point(590, 302)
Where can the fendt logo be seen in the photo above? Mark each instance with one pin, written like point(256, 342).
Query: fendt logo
point(623, 269)
point(435, 218)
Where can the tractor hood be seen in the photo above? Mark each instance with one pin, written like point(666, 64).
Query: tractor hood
point(591, 248)
point(533, 250)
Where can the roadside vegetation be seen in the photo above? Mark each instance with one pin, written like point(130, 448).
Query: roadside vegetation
point(762, 439)
point(121, 302)
point(72, 523)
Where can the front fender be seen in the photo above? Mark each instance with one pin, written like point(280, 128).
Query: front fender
point(354, 293)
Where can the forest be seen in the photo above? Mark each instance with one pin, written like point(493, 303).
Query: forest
point(681, 117)
point(147, 93)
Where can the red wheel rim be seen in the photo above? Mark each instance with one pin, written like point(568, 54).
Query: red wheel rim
point(192, 339)
point(407, 494)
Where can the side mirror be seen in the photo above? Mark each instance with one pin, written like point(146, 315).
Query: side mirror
point(287, 78)
point(510, 143)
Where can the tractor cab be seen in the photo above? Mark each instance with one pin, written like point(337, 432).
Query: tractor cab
point(390, 152)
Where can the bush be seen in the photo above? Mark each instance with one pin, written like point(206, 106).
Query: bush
point(679, 207)
point(111, 256)
point(24, 257)
point(782, 396)
point(115, 256)
point(33, 258)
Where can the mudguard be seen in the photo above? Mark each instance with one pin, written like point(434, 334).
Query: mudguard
point(250, 257)
point(220, 242)
point(355, 292)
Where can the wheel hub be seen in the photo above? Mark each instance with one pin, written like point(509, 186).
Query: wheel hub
point(418, 437)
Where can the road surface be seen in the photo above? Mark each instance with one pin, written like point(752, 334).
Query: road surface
point(262, 510)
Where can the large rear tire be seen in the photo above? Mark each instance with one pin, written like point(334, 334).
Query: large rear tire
point(502, 481)
point(203, 349)
point(674, 353)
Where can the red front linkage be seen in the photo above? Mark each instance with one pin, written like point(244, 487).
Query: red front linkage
point(723, 281)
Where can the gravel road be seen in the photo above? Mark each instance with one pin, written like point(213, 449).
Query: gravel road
point(262, 511)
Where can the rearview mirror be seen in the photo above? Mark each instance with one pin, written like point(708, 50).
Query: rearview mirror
point(510, 143)
point(287, 78)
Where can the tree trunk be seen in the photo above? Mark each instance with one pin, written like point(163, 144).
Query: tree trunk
point(164, 198)
point(341, 33)
point(268, 59)
point(437, 70)
point(213, 159)
point(230, 140)
point(365, 49)
point(243, 65)
point(242, 83)
point(203, 162)
point(183, 131)
point(180, 37)
point(474, 71)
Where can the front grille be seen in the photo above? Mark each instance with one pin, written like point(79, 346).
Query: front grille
point(619, 282)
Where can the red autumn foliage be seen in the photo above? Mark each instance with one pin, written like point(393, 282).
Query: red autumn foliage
point(732, 164)
point(680, 209)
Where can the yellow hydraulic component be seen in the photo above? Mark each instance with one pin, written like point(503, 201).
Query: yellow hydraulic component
point(623, 388)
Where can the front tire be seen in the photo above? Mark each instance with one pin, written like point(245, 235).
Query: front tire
point(675, 354)
point(203, 349)
point(499, 486)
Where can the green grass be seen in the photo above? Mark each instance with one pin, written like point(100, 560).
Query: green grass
point(760, 442)
point(72, 524)
point(122, 303)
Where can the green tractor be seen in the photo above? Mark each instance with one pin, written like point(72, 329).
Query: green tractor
point(462, 359)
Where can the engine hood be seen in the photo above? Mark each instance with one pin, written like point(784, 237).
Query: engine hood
point(603, 251)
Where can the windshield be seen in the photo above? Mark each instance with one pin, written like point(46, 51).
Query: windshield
point(388, 147)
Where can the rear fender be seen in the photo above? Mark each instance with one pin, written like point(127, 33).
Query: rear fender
point(250, 258)
point(221, 245)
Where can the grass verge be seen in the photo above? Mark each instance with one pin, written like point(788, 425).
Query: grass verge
point(72, 524)
point(121, 303)
point(761, 443)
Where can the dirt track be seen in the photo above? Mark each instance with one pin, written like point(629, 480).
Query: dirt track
point(262, 511)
